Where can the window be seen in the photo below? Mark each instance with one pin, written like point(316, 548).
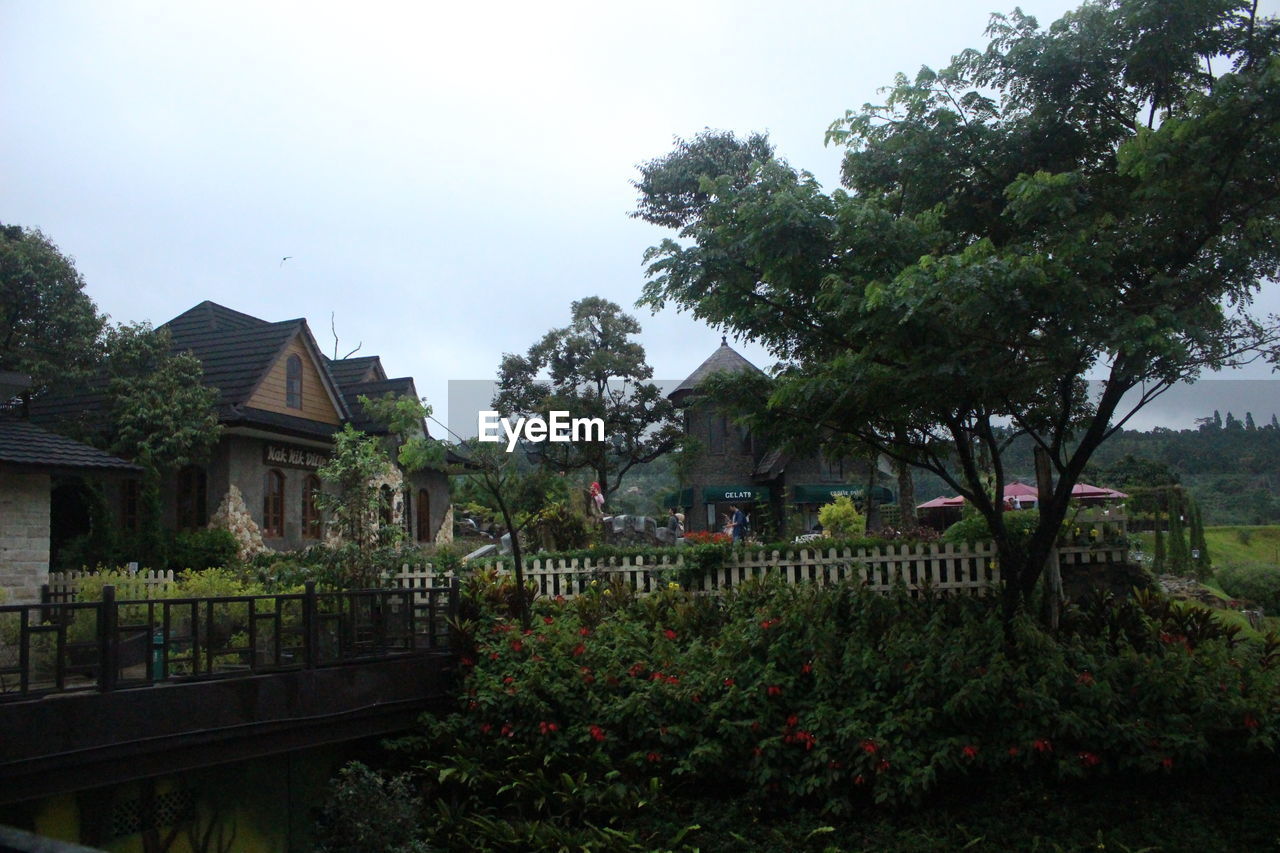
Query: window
point(719, 427)
point(273, 505)
point(385, 498)
point(131, 498)
point(424, 516)
point(406, 515)
point(310, 511)
point(293, 382)
point(193, 490)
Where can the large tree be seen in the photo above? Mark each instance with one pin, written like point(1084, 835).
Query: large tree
point(1095, 199)
point(592, 369)
point(49, 327)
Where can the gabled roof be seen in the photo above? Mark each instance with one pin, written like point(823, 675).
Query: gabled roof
point(725, 358)
point(402, 386)
point(22, 443)
point(347, 371)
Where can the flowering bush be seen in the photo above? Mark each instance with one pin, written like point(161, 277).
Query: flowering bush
point(707, 537)
point(833, 699)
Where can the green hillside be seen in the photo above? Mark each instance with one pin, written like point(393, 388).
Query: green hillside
point(1237, 545)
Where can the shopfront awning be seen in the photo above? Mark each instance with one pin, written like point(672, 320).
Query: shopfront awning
point(679, 499)
point(820, 494)
point(730, 494)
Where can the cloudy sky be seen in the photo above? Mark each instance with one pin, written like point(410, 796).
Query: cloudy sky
point(446, 178)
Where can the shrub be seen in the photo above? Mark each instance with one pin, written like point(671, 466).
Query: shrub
point(1254, 581)
point(203, 549)
point(973, 529)
point(840, 519)
point(366, 813)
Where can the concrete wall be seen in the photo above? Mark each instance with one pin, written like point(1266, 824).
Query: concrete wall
point(24, 535)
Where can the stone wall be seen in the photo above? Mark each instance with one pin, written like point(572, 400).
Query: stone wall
point(24, 535)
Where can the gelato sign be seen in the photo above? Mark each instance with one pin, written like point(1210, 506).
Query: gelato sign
point(292, 456)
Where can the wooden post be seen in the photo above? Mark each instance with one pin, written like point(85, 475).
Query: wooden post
point(1053, 572)
point(310, 626)
point(108, 621)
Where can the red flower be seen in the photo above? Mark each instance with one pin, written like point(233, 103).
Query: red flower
point(1166, 763)
point(653, 757)
point(834, 765)
point(1089, 759)
point(597, 733)
point(970, 751)
point(559, 599)
point(757, 751)
point(547, 620)
point(493, 655)
point(728, 682)
point(669, 634)
point(671, 679)
point(507, 730)
point(805, 738)
point(882, 766)
point(579, 650)
point(859, 780)
point(468, 661)
point(485, 728)
point(1250, 722)
point(635, 670)
point(807, 668)
point(1042, 745)
point(527, 631)
point(773, 690)
point(508, 680)
point(869, 747)
point(792, 720)
point(1013, 751)
point(537, 658)
point(769, 623)
point(517, 646)
point(1085, 678)
point(584, 632)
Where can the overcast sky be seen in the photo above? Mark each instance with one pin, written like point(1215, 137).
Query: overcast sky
point(445, 178)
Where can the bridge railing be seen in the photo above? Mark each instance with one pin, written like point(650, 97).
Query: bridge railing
point(115, 644)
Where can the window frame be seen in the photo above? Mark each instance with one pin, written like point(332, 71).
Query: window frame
point(293, 382)
point(273, 504)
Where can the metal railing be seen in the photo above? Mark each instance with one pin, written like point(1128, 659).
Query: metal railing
point(113, 644)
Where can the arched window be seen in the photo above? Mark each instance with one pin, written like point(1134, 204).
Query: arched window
point(310, 511)
point(385, 498)
point(193, 490)
point(273, 505)
point(293, 382)
point(424, 516)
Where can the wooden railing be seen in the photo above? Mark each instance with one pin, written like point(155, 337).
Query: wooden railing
point(119, 643)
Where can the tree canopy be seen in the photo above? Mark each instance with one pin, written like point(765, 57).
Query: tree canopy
point(592, 369)
point(1095, 198)
point(49, 327)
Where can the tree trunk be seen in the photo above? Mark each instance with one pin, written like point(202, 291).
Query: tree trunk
point(522, 605)
point(907, 521)
point(874, 523)
point(1053, 578)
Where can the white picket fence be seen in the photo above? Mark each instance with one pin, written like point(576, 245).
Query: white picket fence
point(941, 567)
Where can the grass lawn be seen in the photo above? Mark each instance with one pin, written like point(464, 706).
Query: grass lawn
point(1228, 545)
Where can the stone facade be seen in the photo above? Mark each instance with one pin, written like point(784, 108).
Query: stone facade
point(24, 535)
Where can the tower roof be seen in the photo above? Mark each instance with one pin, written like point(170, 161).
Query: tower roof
point(724, 359)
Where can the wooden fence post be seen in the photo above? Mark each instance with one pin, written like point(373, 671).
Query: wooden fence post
point(108, 621)
point(310, 626)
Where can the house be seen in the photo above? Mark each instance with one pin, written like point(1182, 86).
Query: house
point(280, 403)
point(778, 489)
point(30, 459)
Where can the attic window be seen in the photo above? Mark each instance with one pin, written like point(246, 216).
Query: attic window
point(293, 382)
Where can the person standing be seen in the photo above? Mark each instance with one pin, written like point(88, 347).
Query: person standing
point(739, 524)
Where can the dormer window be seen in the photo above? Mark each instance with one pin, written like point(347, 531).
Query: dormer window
point(293, 382)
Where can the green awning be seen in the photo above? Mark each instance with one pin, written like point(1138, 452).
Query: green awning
point(679, 499)
point(729, 494)
point(819, 494)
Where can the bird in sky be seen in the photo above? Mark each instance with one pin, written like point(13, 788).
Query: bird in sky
point(285, 258)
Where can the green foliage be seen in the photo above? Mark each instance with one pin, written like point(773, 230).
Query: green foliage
point(162, 413)
point(595, 370)
point(559, 527)
point(1252, 581)
point(1015, 193)
point(49, 327)
point(356, 469)
point(405, 417)
point(368, 813)
point(840, 519)
point(780, 699)
point(1020, 524)
point(203, 549)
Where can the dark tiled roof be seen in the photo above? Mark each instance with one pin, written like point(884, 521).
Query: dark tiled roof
point(401, 386)
point(772, 464)
point(347, 371)
point(235, 349)
point(725, 358)
point(24, 443)
point(247, 416)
